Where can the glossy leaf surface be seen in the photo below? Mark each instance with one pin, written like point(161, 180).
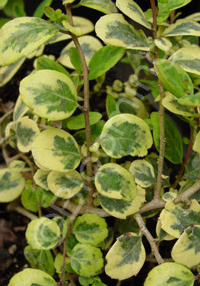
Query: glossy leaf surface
point(104, 6)
point(78, 122)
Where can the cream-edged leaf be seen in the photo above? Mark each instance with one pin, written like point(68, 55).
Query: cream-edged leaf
point(194, 17)
point(40, 178)
point(114, 181)
point(20, 109)
point(7, 72)
point(163, 43)
point(17, 166)
point(183, 28)
point(22, 36)
point(125, 134)
point(190, 100)
point(55, 149)
point(104, 6)
point(126, 257)
point(50, 94)
point(115, 30)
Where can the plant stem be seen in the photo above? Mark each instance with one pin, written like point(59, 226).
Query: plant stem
point(85, 109)
point(149, 237)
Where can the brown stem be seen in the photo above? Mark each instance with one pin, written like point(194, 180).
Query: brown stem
point(172, 16)
point(85, 109)
point(149, 237)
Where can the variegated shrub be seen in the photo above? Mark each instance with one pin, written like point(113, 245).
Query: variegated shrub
point(127, 163)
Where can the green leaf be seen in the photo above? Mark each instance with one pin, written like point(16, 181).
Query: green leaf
point(170, 274)
point(183, 27)
point(28, 198)
point(115, 30)
point(50, 94)
point(40, 178)
point(173, 146)
point(174, 4)
point(125, 134)
point(173, 78)
point(55, 149)
point(40, 259)
point(122, 208)
point(89, 46)
point(32, 277)
point(187, 248)
point(20, 109)
point(78, 122)
point(48, 64)
point(43, 233)
point(59, 262)
point(126, 257)
point(175, 218)
point(21, 36)
point(112, 107)
point(164, 44)
point(90, 228)
point(143, 172)
point(11, 185)
point(194, 17)
point(26, 131)
point(104, 59)
point(171, 103)
point(105, 6)
point(114, 181)
point(3, 3)
point(163, 12)
point(45, 198)
point(188, 58)
point(86, 281)
point(65, 185)
point(75, 59)
point(196, 146)
point(40, 9)
point(190, 100)
point(14, 8)
point(133, 11)
point(86, 260)
point(17, 166)
point(7, 72)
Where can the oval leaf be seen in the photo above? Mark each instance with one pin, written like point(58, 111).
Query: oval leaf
point(125, 134)
point(44, 63)
point(43, 233)
point(50, 94)
point(56, 150)
point(183, 28)
point(28, 198)
point(169, 274)
point(190, 100)
point(20, 109)
point(115, 30)
point(196, 146)
point(7, 72)
point(114, 181)
point(105, 6)
point(40, 178)
point(90, 228)
point(78, 122)
point(23, 35)
point(126, 257)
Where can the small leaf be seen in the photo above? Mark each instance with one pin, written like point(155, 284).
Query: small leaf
point(187, 248)
point(23, 35)
point(105, 6)
point(170, 274)
point(17, 166)
point(56, 150)
point(164, 44)
point(28, 198)
point(40, 178)
point(112, 107)
point(86, 260)
point(75, 59)
point(45, 198)
point(126, 257)
point(78, 122)
point(14, 8)
point(3, 3)
point(65, 185)
point(104, 59)
point(43, 233)
point(115, 30)
point(114, 181)
point(190, 100)
point(183, 27)
point(59, 262)
point(40, 259)
point(48, 64)
point(32, 277)
point(125, 134)
point(133, 11)
point(90, 228)
point(173, 77)
point(196, 146)
point(20, 109)
point(40, 9)
point(11, 185)
point(50, 94)
point(7, 72)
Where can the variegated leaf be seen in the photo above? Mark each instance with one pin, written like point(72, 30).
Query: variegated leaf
point(26, 131)
point(171, 103)
point(90, 228)
point(114, 181)
point(194, 17)
point(20, 109)
point(175, 218)
point(143, 172)
point(182, 28)
point(7, 72)
point(32, 277)
point(23, 35)
point(188, 58)
point(89, 46)
point(187, 248)
point(170, 274)
point(65, 185)
point(190, 100)
point(86, 260)
point(40, 178)
point(133, 11)
point(163, 43)
point(115, 30)
point(50, 94)
point(17, 166)
point(161, 234)
point(59, 262)
point(126, 257)
point(125, 134)
point(55, 149)
point(104, 6)
point(122, 208)
point(11, 185)
point(43, 233)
